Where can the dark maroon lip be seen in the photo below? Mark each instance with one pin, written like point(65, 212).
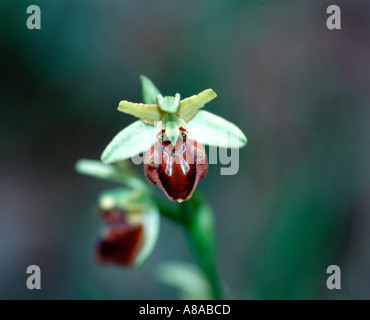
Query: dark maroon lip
point(119, 241)
point(179, 169)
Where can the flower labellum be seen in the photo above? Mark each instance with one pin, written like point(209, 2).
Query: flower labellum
point(120, 241)
point(174, 162)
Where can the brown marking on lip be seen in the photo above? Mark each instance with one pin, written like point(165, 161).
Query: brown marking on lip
point(179, 170)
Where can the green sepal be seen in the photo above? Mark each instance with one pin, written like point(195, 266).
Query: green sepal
point(118, 173)
point(150, 91)
point(207, 128)
point(187, 278)
point(136, 138)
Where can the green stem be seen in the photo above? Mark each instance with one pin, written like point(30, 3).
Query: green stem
point(201, 229)
point(170, 212)
point(196, 216)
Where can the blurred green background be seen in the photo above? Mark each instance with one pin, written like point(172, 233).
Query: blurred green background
point(300, 92)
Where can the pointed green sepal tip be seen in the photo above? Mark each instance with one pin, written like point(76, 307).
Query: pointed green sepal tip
point(150, 91)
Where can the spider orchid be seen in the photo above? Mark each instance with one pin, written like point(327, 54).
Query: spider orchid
point(172, 132)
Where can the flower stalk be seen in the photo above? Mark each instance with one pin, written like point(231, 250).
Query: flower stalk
point(197, 219)
point(201, 232)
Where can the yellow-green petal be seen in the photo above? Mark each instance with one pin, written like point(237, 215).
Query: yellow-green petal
point(147, 112)
point(189, 106)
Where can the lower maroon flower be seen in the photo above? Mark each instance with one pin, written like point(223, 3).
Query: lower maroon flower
point(119, 241)
point(176, 169)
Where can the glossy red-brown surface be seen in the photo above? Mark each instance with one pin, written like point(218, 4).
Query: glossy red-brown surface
point(119, 241)
point(176, 170)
